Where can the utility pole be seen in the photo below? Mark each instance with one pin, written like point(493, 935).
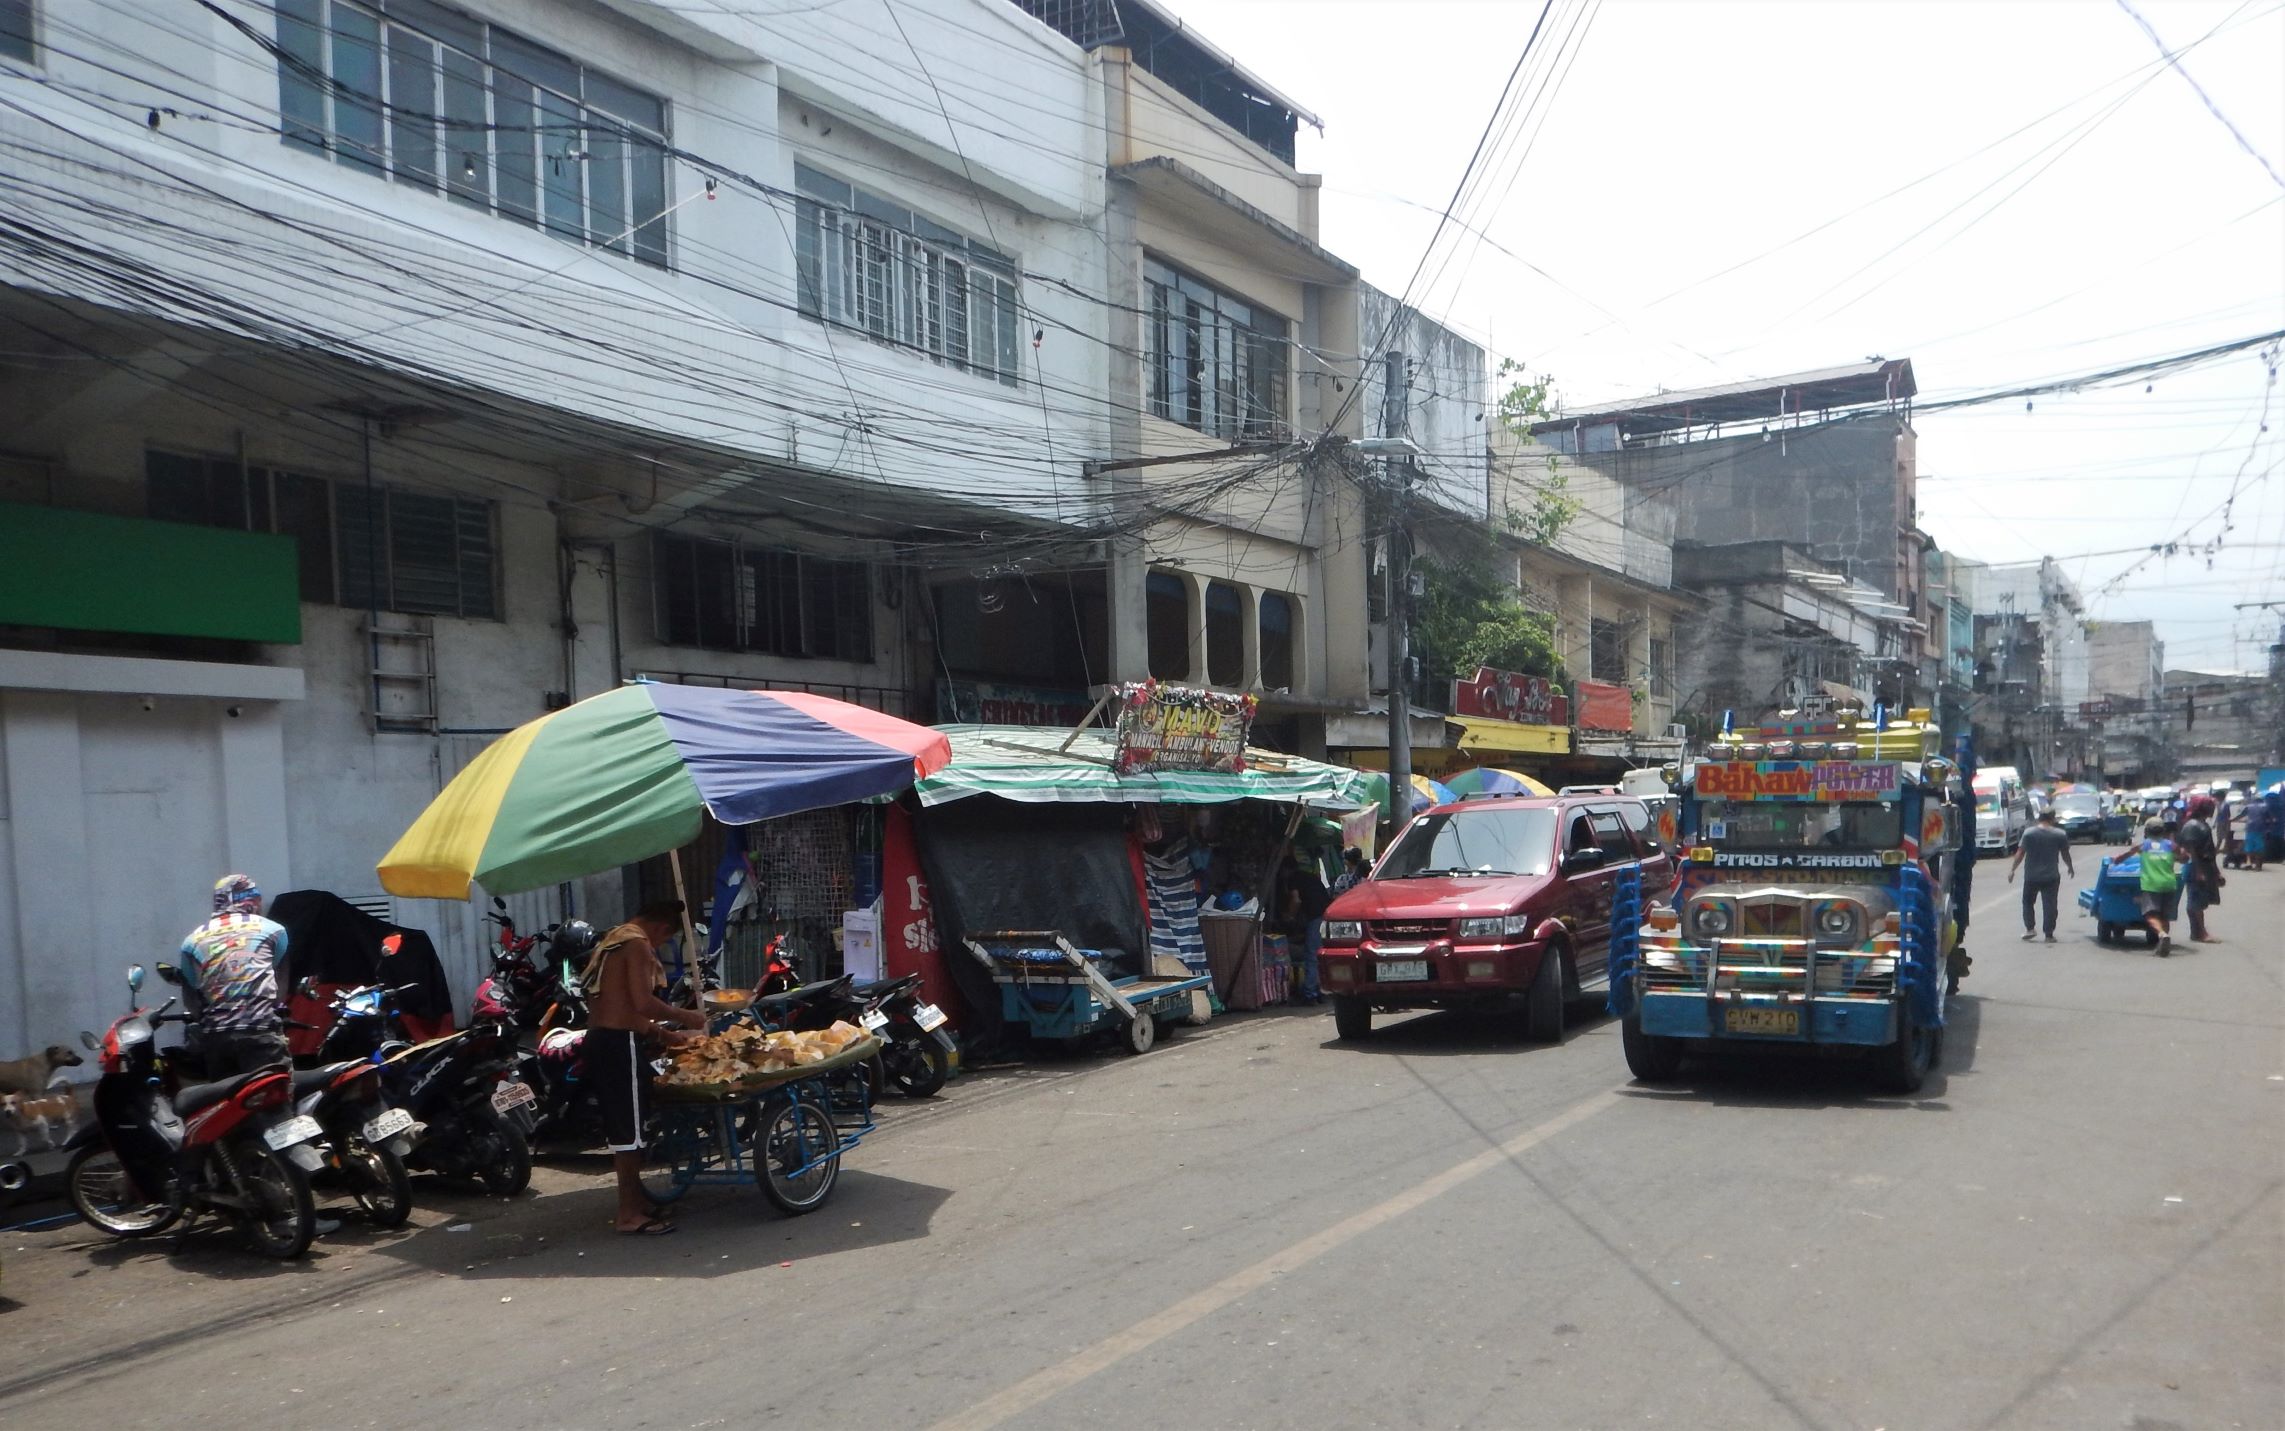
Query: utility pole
point(1396, 397)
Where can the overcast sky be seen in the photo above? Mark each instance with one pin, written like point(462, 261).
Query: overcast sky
point(1706, 192)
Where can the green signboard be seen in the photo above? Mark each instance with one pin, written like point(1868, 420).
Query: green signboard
point(84, 571)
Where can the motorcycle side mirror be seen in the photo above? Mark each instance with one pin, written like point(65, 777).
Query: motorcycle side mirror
point(391, 945)
point(499, 904)
point(171, 974)
point(135, 978)
point(87, 1041)
point(307, 987)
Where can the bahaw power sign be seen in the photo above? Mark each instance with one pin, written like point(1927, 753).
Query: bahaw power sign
point(1817, 782)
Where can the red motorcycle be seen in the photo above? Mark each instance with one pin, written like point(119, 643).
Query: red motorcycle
point(234, 1147)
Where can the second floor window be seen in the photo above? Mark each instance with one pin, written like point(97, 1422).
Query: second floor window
point(869, 264)
point(1213, 362)
point(444, 102)
point(731, 597)
point(388, 547)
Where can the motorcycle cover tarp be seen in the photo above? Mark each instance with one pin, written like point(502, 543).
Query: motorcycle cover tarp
point(336, 945)
point(994, 864)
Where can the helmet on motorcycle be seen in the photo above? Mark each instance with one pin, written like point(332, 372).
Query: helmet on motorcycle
point(573, 940)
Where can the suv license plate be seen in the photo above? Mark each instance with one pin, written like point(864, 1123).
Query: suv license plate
point(292, 1131)
point(929, 1017)
point(1400, 971)
point(388, 1126)
point(1761, 1021)
point(512, 1094)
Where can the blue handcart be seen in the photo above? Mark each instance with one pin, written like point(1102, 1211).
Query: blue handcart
point(2116, 900)
point(783, 1133)
point(1056, 991)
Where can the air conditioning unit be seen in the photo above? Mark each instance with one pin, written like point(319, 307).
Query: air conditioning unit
point(1678, 732)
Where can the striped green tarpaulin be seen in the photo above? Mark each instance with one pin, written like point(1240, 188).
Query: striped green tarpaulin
point(1017, 762)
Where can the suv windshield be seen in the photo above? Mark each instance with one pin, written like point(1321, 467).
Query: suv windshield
point(1772, 825)
point(1474, 842)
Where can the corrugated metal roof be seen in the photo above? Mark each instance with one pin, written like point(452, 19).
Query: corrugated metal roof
point(1855, 384)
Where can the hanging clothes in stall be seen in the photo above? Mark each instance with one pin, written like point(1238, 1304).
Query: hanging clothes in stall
point(1173, 893)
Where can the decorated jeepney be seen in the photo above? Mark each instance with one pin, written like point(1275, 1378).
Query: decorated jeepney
point(1810, 910)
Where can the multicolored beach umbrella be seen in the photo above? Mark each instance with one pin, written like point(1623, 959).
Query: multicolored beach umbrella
point(1425, 792)
point(623, 776)
point(1491, 780)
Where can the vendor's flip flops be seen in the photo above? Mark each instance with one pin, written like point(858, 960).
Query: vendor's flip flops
point(652, 1227)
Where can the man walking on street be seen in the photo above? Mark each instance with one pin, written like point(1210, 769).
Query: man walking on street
point(2194, 847)
point(2044, 847)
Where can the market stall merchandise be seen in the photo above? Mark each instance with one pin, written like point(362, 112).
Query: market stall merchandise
point(1039, 829)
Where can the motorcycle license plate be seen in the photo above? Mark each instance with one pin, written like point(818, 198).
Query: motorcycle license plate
point(512, 1094)
point(1761, 1021)
point(873, 1020)
point(292, 1131)
point(1400, 971)
point(388, 1126)
point(929, 1017)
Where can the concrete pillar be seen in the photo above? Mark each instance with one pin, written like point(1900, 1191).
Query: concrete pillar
point(49, 864)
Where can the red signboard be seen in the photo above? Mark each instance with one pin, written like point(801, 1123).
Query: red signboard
point(1604, 707)
point(908, 925)
point(1504, 695)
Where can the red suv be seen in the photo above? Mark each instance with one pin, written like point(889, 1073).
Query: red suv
point(1487, 901)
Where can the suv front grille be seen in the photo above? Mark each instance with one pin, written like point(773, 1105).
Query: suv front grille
point(1410, 928)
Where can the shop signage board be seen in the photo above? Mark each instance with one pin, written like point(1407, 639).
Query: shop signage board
point(1164, 727)
point(998, 703)
point(1821, 782)
point(1492, 694)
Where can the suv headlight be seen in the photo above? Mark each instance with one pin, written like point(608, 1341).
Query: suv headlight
point(1711, 919)
point(1341, 931)
point(1482, 928)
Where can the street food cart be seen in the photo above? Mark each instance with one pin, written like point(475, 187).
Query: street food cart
point(1055, 991)
point(628, 774)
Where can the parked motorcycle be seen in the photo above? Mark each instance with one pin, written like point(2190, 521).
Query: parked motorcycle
point(916, 1049)
point(454, 1087)
point(233, 1147)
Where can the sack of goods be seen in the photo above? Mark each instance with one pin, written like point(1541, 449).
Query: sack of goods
point(745, 1052)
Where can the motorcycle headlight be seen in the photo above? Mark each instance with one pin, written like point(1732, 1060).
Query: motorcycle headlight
point(1711, 919)
point(1342, 931)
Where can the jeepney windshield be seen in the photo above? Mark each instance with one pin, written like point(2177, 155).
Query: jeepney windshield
point(1474, 842)
point(1778, 825)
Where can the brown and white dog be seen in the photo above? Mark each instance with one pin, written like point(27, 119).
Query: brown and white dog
point(38, 1073)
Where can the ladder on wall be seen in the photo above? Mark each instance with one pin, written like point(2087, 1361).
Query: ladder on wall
point(401, 661)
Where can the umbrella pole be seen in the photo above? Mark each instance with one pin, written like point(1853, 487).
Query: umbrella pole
point(690, 950)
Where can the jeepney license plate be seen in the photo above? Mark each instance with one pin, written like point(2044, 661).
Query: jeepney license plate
point(929, 1017)
point(1761, 1021)
point(1400, 971)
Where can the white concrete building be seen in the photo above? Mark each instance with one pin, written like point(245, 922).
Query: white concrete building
point(385, 372)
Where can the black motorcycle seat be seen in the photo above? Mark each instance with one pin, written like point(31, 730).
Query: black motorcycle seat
point(309, 1080)
point(879, 987)
point(806, 994)
point(204, 1095)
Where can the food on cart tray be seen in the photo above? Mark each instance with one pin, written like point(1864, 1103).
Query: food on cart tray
point(745, 1051)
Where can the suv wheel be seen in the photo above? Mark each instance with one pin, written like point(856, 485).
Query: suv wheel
point(1352, 1018)
point(1543, 1005)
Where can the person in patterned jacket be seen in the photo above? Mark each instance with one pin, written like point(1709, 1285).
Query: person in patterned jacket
point(230, 965)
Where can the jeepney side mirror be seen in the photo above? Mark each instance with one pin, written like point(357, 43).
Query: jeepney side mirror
point(1672, 775)
point(1936, 770)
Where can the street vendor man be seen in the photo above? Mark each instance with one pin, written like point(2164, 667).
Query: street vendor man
point(626, 1019)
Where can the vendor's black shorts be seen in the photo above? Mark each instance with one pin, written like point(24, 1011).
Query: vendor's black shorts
point(2163, 904)
point(612, 1062)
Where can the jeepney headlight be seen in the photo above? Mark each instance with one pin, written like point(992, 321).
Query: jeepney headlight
point(1838, 922)
point(1341, 931)
point(1710, 918)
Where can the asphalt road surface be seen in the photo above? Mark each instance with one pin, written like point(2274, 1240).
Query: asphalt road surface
point(2076, 1224)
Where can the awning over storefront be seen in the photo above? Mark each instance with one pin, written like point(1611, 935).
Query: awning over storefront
point(1028, 764)
point(1514, 736)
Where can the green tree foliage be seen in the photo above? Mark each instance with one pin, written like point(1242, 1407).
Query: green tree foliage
point(1467, 616)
